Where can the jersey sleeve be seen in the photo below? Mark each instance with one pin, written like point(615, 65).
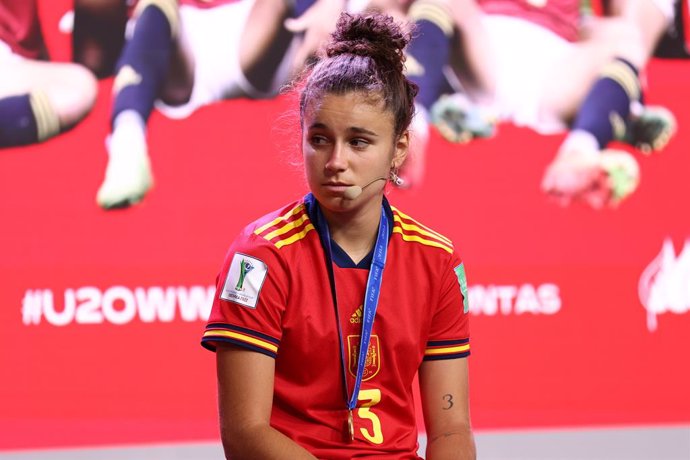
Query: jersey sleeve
point(449, 336)
point(250, 298)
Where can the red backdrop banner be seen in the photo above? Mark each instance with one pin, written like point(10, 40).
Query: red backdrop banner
point(580, 317)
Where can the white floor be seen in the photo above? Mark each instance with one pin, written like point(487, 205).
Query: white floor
point(672, 443)
point(657, 443)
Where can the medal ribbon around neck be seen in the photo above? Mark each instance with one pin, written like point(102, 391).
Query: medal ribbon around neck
point(371, 300)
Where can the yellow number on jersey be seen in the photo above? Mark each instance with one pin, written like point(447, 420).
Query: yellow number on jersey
point(371, 398)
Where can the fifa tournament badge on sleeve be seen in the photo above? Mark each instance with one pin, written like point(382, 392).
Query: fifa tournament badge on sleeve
point(244, 280)
point(462, 280)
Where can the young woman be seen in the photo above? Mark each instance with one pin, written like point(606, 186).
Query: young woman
point(326, 309)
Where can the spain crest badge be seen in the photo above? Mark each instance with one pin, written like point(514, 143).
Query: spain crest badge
point(373, 361)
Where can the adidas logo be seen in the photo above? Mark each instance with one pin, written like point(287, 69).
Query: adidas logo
point(356, 317)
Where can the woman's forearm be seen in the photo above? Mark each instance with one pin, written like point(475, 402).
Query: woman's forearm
point(261, 443)
point(455, 445)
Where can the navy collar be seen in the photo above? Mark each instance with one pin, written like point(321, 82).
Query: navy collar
point(340, 257)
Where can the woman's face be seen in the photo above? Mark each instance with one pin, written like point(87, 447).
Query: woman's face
point(348, 139)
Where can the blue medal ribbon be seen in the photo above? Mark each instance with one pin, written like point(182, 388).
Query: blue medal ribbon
point(370, 304)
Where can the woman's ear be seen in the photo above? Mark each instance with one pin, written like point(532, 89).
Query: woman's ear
point(401, 147)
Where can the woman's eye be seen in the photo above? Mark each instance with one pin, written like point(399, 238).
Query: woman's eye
point(359, 143)
point(318, 140)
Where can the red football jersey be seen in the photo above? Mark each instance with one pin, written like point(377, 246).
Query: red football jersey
point(20, 28)
point(274, 297)
point(560, 16)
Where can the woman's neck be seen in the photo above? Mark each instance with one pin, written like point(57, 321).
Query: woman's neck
point(355, 232)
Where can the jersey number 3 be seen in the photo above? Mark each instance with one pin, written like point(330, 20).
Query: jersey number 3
point(369, 399)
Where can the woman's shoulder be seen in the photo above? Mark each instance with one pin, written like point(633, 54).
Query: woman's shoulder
point(281, 227)
point(418, 235)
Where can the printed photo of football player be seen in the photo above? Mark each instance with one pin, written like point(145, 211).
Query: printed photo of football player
point(39, 99)
point(540, 64)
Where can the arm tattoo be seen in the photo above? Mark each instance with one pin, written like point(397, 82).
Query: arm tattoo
point(448, 398)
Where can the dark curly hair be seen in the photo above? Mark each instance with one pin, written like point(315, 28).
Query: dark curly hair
point(365, 55)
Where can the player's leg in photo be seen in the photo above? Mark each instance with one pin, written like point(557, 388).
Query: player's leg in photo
point(141, 72)
point(39, 100)
point(98, 34)
point(611, 109)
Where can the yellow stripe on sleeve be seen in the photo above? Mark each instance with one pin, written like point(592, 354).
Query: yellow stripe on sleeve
point(287, 227)
point(278, 219)
point(295, 237)
point(447, 350)
point(241, 337)
point(417, 229)
point(423, 241)
point(420, 225)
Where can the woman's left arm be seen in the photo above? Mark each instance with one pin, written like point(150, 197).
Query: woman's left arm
point(445, 400)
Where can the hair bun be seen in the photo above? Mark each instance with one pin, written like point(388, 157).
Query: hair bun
point(376, 36)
